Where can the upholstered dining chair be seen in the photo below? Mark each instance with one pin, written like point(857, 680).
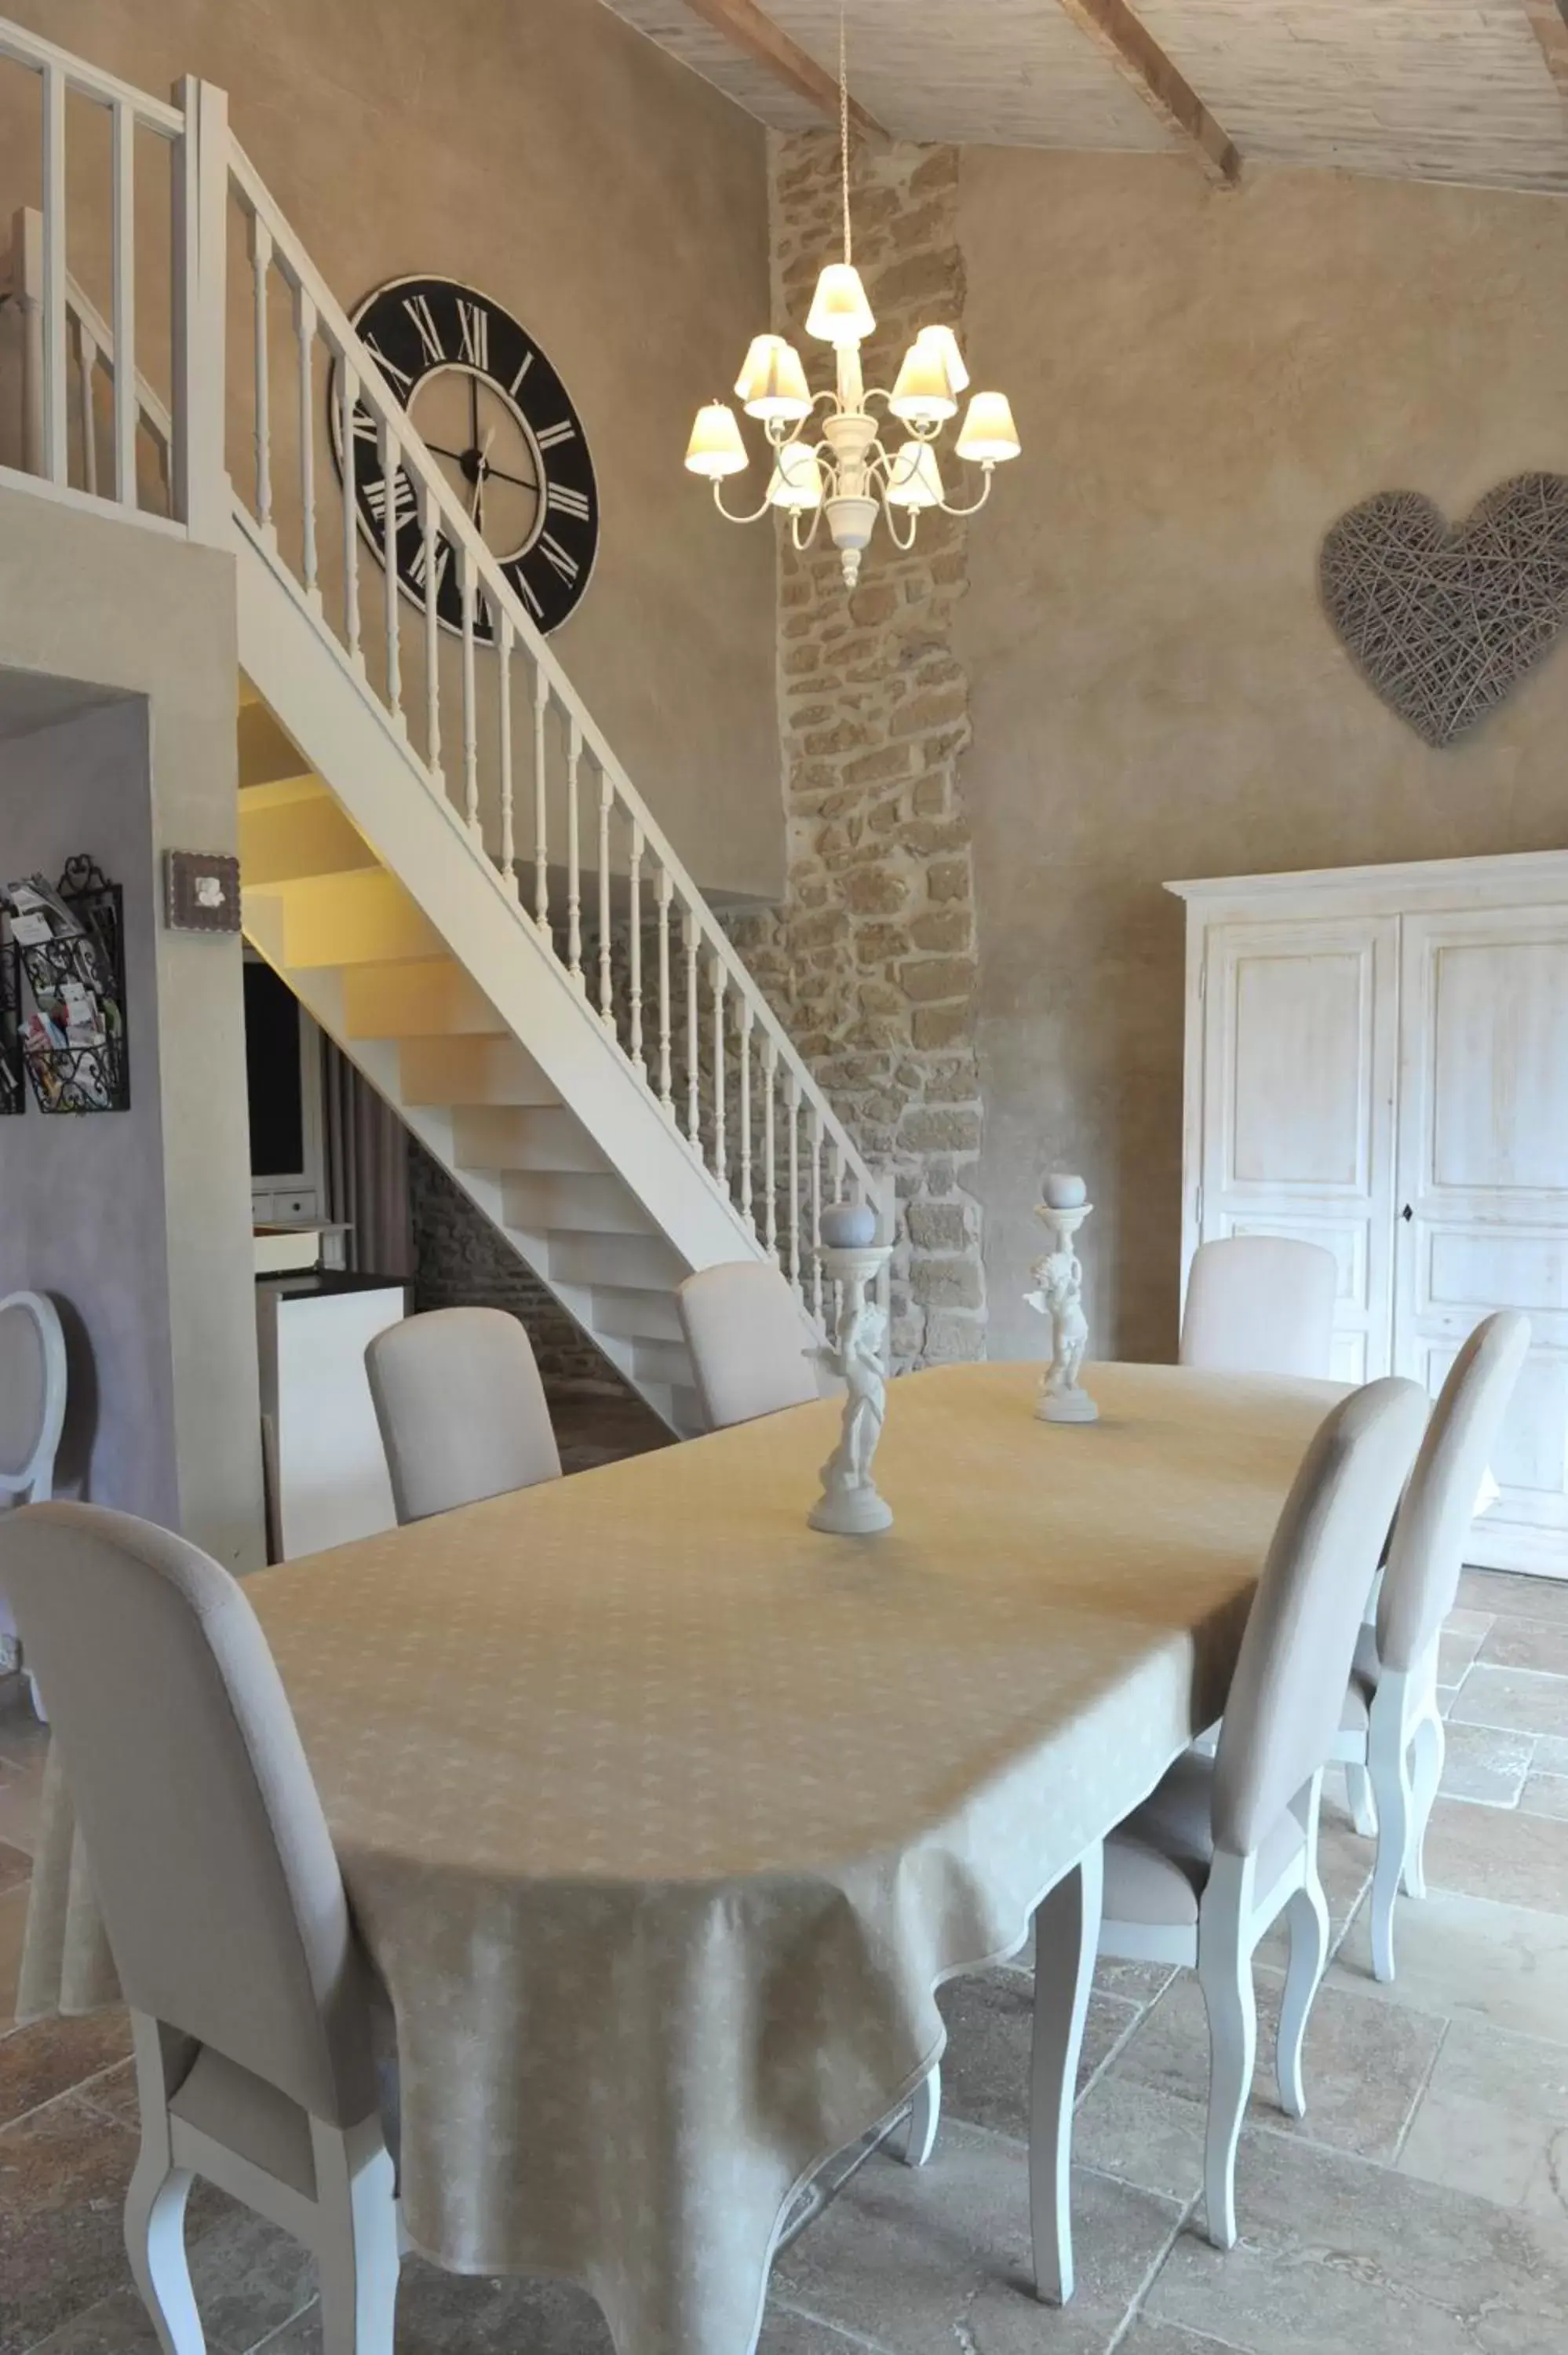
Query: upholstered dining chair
point(747, 1342)
point(462, 1410)
point(32, 1408)
point(213, 1871)
point(1390, 1737)
point(1260, 1305)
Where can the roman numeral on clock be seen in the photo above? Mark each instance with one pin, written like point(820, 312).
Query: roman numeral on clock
point(566, 502)
point(419, 311)
point(473, 326)
point(550, 437)
point(443, 565)
point(555, 554)
point(404, 504)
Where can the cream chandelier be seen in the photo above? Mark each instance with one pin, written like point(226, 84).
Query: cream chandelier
point(853, 470)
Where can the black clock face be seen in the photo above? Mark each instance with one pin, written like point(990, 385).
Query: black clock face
point(493, 413)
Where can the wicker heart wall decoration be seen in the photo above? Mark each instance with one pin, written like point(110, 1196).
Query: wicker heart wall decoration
point(1443, 620)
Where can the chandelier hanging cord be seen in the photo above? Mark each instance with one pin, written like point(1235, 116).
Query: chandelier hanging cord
point(843, 132)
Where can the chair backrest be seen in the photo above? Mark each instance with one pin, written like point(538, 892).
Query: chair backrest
point(1288, 1691)
point(747, 1342)
point(1260, 1305)
point(32, 1393)
point(1426, 1552)
point(208, 1851)
point(462, 1410)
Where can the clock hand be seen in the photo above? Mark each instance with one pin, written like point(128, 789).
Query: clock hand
point(476, 510)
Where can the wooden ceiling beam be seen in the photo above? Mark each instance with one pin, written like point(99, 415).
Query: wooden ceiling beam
point(1162, 87)
point(742, 23)
point(1550, 19)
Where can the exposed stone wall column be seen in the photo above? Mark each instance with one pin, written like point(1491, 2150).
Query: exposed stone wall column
point(871, 961)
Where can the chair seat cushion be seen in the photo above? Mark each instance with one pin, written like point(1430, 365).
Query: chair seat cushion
point(246, 2115)
point(1157, 1863)
point(1364, 1673)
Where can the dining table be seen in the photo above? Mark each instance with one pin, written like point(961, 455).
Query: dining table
point(663, 1816)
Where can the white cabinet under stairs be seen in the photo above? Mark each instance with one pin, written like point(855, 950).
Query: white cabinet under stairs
point(448, 863)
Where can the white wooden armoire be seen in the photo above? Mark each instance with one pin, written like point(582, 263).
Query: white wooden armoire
point(1377, 1059)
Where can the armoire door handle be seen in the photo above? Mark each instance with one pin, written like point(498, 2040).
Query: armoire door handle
point(1407, 1214)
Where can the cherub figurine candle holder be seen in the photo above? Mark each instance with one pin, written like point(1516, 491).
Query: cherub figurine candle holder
point(1059, 1294)
point(850, 1505)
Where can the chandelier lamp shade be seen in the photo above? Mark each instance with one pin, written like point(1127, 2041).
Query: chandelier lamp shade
point(850, 464)
point(859, 466)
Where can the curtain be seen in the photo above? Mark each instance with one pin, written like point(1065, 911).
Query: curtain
point(366, 1157)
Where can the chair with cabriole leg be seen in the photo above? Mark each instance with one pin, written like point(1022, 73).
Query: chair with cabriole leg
point(1390, 1736)
point(1260, 1305)
point(214, 1870)
point(1224, 1845)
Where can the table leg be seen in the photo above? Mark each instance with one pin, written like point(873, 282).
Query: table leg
point(1066, 1939)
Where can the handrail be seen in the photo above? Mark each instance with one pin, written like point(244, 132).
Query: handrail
point(25, 49)
point(276, 246)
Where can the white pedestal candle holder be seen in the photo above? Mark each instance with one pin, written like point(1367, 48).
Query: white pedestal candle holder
point(1059, 1294)
point(849, 1505)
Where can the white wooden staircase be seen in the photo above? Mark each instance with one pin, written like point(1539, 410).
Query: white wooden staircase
point(440, 854)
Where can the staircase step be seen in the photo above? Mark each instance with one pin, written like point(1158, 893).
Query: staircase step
point(360, 918)
point(630, 1262)
point(664, 1361)
point(430, 998)
point(469, 1071)
point(637, 1315)
point(569, 1202)
point(541, 1137)
point(297, 830)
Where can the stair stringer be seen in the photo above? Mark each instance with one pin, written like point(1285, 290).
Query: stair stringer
point(364, 760)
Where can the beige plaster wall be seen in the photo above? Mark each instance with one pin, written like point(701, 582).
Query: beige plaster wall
point(545, 152)
point(1203, 384)
point(114, 606)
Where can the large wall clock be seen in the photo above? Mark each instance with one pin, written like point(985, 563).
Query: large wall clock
point(495, 416)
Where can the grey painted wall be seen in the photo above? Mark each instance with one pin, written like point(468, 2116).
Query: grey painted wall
point(81, 1201)
point(85, 598)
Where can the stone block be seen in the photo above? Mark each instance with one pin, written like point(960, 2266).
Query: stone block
point(932, 708)
point(940, 1128)
point(952, 1339)
point(939, 1026)
point(948, 1283)
point(875, 891)
point(941, 928)
point(927, 979)
point(949, 879)
point(938, 1227)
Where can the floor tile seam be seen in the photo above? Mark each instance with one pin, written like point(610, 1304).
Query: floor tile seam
point(821, 2321)
point(1151, 2273)
point(71, 2094)
point(1115, 2051)
point(1422, 2091)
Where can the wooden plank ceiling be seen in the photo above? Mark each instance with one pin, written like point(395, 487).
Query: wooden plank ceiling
point(1467, 90)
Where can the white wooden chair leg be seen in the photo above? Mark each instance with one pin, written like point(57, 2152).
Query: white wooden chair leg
point(1390, 1763)
point(1308, 1917)
point(925, 2117)
point(1430, 1747)
point(155, 2245)
point(1359, 1796)
point(357, 2254)
point(1067, 1940)
point(1224, 1975)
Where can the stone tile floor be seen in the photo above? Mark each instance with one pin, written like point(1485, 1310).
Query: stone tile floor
point(1421, 2208)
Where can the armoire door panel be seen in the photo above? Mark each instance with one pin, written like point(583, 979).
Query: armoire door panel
point(1483, 1172)
point(1300, 1047)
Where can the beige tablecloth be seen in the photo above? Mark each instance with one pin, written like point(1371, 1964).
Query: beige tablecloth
point(663, 1816)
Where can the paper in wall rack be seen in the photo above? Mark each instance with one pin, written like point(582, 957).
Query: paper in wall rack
point(13, 1094)
point(69, 940)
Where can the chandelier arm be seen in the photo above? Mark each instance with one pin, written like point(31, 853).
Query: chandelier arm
point(989, 464)
point(903, 546)
point(795, 527)
point(718, 502)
